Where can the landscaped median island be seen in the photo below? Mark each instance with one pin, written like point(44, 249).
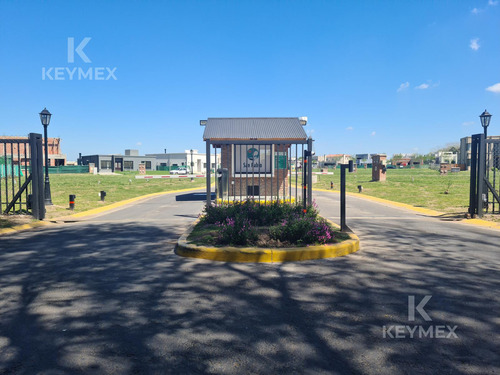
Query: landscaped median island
point(250, 231)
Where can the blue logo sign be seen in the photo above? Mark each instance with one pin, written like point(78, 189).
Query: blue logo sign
point(253, 154)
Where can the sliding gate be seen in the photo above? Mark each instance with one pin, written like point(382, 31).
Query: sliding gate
point(485, 176)
point(21, 176)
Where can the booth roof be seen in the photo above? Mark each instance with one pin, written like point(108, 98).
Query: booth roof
point(268, 128)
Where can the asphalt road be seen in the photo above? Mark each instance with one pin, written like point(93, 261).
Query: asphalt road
point(108, 295)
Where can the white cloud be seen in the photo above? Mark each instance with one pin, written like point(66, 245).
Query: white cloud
point(468, 123)
point(139, 143)
point(349, 128)
point(495, 88)
point(403, 86)
point(491, 3)
point(428, 85)
point(474, 44)
point(423, 86)
point(373, 134)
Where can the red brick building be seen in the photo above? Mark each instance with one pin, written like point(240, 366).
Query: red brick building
point(18, 153)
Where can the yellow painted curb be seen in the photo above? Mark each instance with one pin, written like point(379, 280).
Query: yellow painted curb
point(18, 228)
point(481, 223)
point(93, 211)
point(112, 206)
point(421, 210)
point(263, 255)
point(425, 211)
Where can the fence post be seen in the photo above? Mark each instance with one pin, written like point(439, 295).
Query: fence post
point(343, 226)
point(473, 177)
point(36, 163)
point(304, 177)
point(208, 170)
point(481, 175)
point(309, 171)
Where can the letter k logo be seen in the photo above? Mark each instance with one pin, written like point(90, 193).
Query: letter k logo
point(79, 50)
point(419, 308)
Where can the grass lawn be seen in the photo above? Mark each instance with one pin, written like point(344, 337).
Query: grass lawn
point(419, 187)
point(86, 187)
point(118, 187)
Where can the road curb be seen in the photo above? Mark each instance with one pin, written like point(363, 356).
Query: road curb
point(19, 228)
point(425, 211)
point(421, 210)
point(264, 255)
point(481, 223)
point(112, 206)
point(94, 211)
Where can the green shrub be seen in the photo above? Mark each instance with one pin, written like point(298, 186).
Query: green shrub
point(236, 232)
point(238, 223)
point(268, 214)
point(303, 230)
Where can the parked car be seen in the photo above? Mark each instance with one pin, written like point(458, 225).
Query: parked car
point(179, 171)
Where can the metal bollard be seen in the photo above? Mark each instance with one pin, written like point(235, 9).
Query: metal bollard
point(103, 195)
point(72, 202)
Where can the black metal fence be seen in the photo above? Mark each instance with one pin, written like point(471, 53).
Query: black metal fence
point(485, 176)
point(21, 176)
point(492, 180)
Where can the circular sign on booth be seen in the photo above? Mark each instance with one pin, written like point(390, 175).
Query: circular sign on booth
point(253, 153)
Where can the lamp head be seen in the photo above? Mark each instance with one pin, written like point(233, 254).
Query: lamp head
point(45, 117)
point(485, 119)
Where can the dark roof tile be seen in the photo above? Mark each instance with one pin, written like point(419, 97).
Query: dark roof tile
point(254, 128)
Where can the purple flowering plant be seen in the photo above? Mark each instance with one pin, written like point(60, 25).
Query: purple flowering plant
point(239, 223)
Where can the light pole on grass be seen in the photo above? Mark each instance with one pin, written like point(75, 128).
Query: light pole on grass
point(45, 119)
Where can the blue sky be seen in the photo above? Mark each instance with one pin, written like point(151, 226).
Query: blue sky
point(372, 76)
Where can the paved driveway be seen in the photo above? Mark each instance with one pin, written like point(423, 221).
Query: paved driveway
point(108, 295)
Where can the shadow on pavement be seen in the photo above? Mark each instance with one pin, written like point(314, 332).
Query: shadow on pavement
point(193, 197)
point(113, 298)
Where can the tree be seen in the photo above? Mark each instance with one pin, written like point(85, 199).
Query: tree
point(429, 158)
point(396, 157)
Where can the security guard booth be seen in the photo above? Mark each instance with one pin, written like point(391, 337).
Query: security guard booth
point(264, 159)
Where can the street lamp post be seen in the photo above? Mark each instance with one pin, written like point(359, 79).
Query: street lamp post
point(485, 122)
point(45, 119)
